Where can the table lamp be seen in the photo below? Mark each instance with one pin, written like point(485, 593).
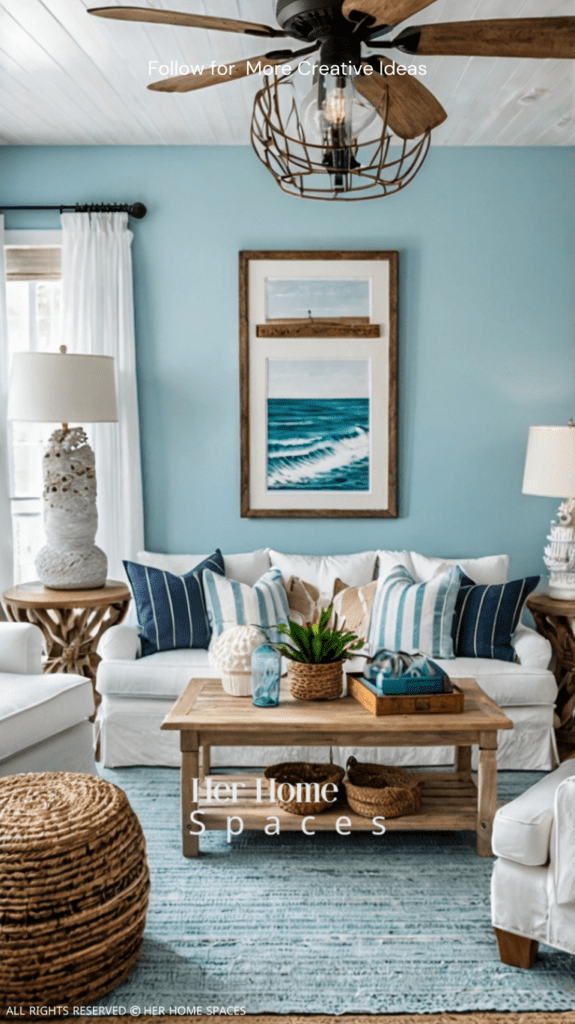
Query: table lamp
point(550, 471)
point(47, 387)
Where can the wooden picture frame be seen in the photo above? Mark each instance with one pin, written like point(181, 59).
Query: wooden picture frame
point(318, 383)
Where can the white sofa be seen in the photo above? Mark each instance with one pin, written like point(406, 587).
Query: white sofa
point(44, 719)
point(137, 693)
point(533, 882)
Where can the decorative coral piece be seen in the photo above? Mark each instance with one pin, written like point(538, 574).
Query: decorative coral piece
point(232, 655)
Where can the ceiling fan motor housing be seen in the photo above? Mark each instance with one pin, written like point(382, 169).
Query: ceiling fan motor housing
point(312, 20)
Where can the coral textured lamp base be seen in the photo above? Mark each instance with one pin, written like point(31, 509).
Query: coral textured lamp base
point(70, 560)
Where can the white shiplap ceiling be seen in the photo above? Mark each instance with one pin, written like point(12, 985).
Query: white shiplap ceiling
point(71, 79)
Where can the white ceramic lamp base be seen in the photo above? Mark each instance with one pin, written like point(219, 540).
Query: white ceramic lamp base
point(70, 560)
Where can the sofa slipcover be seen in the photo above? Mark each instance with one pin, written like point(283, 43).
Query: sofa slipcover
point(44, 719)
point(522, 828)
point(137, 693)
point(535, 902)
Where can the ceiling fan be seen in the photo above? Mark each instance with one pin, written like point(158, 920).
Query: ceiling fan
point(358, 85)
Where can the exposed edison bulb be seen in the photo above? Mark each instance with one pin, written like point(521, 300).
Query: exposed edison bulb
point(332, 101)
point(335, 106)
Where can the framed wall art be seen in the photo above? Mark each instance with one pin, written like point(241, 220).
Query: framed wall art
point(318, 384)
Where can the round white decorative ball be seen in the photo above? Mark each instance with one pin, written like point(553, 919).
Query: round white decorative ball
point(232, 653)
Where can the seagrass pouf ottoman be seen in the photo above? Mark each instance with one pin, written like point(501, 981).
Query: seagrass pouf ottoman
point(74, 887)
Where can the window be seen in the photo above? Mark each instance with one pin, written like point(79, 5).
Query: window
point(34, 293)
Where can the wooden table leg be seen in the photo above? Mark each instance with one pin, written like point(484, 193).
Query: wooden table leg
point(486, 792)
point(189, 772)
point(463, 761)
point(206, 765)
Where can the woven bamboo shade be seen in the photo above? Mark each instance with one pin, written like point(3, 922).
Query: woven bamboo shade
point(33, 263)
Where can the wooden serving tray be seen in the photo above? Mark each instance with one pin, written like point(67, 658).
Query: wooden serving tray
point(404, 704)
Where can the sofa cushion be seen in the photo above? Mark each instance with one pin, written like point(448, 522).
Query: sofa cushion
point(409, 616)
point(489, 569)
point(32, 708)
point(162, 675)
point(386, 562)
point(230, 603)
point(486, 617)
point(323, 570)
point(167, 673)
point(508, 683)
point(244, 567)
point(522, 828)
point(171, 609)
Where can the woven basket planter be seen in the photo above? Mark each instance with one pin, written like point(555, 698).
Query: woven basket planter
point(292, 772)
point(374, 789)
point(315, 682)
point(74, 889)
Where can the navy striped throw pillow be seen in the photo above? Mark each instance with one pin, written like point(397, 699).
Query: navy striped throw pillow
point(171, 609)
point(486, 617)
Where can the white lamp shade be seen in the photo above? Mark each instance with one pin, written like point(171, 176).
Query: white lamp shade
point(49, 387)
point(550, 462)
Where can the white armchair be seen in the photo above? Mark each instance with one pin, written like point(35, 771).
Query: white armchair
point(44, 719)
point(533, 883)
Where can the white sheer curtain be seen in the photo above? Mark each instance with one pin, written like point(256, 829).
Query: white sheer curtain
point(6, 557)
point(98, 318)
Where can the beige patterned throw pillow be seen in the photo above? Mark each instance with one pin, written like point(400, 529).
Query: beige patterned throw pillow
point(302, 598)
point(353, 605)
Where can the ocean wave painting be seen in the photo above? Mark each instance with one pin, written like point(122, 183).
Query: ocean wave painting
point(318, 425)
point(318, 444)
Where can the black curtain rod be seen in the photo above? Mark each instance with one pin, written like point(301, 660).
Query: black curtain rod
point(137, 210)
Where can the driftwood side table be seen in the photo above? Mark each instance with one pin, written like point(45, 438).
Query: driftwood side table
point(72, 621)
point(554, 619)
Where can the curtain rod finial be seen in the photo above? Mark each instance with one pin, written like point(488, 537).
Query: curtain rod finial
point(137, 210)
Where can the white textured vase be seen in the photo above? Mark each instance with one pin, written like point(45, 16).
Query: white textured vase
point(70, 560)
point(232, 656)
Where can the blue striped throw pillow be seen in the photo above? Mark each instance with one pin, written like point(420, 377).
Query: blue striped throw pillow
point(236, 604)
point(409, 616)
point(486, 617)
point(171, 609)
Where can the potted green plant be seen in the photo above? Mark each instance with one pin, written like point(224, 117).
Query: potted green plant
point(315, 655)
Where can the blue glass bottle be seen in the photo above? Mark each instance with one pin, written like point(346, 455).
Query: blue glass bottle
point(266, 672)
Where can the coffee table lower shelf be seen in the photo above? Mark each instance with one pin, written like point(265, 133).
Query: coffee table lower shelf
point(449, 802)
point(207, 717)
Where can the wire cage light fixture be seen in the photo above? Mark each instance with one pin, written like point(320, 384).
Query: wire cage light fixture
point(380, 166)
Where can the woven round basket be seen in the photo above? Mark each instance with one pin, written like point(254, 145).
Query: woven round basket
point(292, 772)
point(373, 789)
point(315, 682)
point(74, 887)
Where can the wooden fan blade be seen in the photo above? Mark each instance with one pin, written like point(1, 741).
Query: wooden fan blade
point(412, 108)
point(542, 38)
point(384, 12)
point(160, 17)
point(203, 79)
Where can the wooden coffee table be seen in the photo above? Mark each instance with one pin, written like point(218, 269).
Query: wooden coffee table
point(206, 716)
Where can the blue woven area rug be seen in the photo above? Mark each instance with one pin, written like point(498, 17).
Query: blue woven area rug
point(324, 924)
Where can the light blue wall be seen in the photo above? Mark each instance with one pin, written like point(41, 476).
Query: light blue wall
point(487, 295)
